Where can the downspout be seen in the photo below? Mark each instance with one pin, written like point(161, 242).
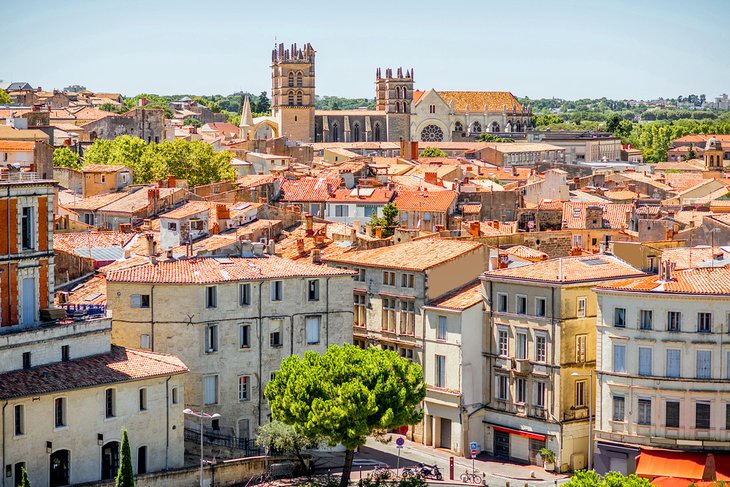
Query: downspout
point(3, 447)
point(552, 354)
point(261, 331)
point(327, 313)
point(489, 342)
point(152, 318)
point(10, 310)
point(167, 422)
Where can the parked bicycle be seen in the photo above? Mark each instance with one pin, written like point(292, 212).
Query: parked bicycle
point(381, 472)
point(471, 477)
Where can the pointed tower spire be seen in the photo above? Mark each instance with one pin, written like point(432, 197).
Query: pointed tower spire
point(246, 118)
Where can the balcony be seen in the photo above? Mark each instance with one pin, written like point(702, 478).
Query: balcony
point(575, 413)
point(522, 366)
point(520, 409)
point(503, 363)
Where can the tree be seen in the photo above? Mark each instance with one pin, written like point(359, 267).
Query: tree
point(282, 437)
point(691, 154)
point(612, 122)
point(346, 394)
point(388, 222)
point(433, 152)
point(65, 157)
point(125, 475)
point(590, 478)
point(4, 97)
point(487, 137)
point(263, 104)
point(24, 480)
point(109, 107)
point(192, 122)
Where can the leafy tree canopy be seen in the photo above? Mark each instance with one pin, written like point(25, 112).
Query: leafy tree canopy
point(24, 480)
point(584, 478)
point(432, 152)
point(388, 222)
point(111, 107)
point(4, 97)
point(192, 121)
point(283, 438)
point(487, 137)
point(346, 394)
point(65, 157)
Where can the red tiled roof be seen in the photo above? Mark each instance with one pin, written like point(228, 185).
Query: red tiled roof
point(16, 145)
point(439, 201)
point(574, 214)
point(550, 205)
point(415, 255)
point(188, 209)
point(705, 280)
point(212, 270)
point(67, 242)
point(471, 208)
point(569, 270)
point(526, 253)
point(120, 365)
point(103, 168)
point(308, 189)
point(366, 195)
point(687, 257)
point(254, 180)
point(462, 298)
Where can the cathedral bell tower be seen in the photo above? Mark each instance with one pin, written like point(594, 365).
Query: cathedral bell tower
point(394, 96)
point(292, 91)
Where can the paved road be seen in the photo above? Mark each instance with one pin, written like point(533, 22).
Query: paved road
point(494, 472)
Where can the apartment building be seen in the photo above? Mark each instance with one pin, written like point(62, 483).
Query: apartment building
point(663, 371)
point(232, 320)
point(66, 391)
point(452, 355)
point(540, 351)
point(393, 284)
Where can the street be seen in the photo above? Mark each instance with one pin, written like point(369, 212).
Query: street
point(494, 472)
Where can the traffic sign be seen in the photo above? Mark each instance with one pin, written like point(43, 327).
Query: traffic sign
point(473, 453)
point(473, 445)
point(399, 442)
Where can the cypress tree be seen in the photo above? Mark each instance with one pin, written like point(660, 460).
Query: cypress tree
point(125, 476)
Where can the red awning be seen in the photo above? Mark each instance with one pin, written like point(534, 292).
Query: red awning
point(526, 434)
point(671, 482)
point(660, 463)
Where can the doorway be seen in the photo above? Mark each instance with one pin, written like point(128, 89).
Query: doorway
point(501, 445)
point(445, 433)
point(59, 468)
point(109, 460)
point(535, 447)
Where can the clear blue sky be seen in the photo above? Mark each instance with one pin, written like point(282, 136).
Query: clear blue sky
point(537, 48)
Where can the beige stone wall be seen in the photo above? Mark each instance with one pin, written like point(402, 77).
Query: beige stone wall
point(457, 272)
point(160, 428)
point(177, 319)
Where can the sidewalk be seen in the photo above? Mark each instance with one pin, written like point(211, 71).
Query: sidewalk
point(495, 472)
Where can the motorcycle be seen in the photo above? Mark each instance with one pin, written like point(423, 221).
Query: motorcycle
point(430, 471)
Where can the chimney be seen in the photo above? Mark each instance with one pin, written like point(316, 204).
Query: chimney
point(309, 225)
point(146, 224)
point(271, 247)
point(414, 150)
point(316, 256)
point(357, 225)
point(125, 227)
point(171, 181)
point(474, 230)
point(514, 171)
point(170, 255)
point(151, 251)
point(430, 177)
point(142, 102)
point(246, 248)
point(258, 249)
point(379, 232)
point(300, 245)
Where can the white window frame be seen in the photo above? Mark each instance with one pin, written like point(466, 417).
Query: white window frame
point(138, 301)
point(244, 388)
point(211, 297)
point(541, 349)
point(503, 341)
point(312, 324)
point(442, 328)
point(502, 298)
point(211, 338)
point(244, 294)
point(581, 305)
point(313, 290)
point(244, 336)
point(542, 300)
point(520, 298)
point(210, 382)
point(277, 290)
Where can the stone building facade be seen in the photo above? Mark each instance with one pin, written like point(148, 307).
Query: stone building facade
point(147, 124)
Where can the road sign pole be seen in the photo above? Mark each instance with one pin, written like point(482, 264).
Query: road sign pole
point(397, 465)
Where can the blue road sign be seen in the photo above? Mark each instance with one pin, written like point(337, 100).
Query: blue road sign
point(399, 442)
point(473, 445)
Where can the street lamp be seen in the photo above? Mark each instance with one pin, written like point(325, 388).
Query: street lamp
point(590, 415)
point(202, 415)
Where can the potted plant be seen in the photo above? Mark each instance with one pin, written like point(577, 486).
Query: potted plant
point(548, 459)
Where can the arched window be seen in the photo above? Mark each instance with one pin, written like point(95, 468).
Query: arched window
point(291, 98)
point(397, 91)
point(60, 462)
point(458, 127)
point(376, 132)
point(397, 107)
point(495, 127)
point(356, 132)
point(432, 133)
point(405, 107)
point(299, 98)
point(299, 78)
point(405, 93)
point(109, 460)
point(335, 132)
point(291, 79)
point(476, 127)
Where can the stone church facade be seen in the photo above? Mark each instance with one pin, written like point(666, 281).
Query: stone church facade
point(401, 113)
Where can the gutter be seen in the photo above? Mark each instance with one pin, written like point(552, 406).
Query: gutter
point(167, 422)
point(3, 446)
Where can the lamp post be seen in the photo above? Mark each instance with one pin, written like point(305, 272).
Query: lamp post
point(590, 415)
point(202, 415)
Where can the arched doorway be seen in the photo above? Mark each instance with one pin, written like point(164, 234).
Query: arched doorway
point(59, 468)
point(109, 460)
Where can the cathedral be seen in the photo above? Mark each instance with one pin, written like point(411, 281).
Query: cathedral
point(401, 113)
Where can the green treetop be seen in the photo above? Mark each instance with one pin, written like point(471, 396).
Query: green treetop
point(346, 394)
point(65, 157)
point(125, 475)
point(388, 222)
point(432, 152)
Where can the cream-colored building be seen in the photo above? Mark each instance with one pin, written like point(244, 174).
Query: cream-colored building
point(540, 331)
point(67, 393)
point(392, 284)
point(452, 355)
point(232, 320)
point(663, 368)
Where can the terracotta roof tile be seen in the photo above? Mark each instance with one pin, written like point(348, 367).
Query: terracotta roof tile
point(253, 180)
point(439, 201)
point(16, 145)
point(526, 253)
point(614, 214)
point(95, 202)
point(120, 365)
point(688, 257)
point(477, 100)
point(415, 255)
point(103, 168)
point(690, 281)
point(67, 242)
point(308, 189)
point(366, 195)
point(569, 270)
point(188, 209)
point(213, 270)
point(461, 298)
